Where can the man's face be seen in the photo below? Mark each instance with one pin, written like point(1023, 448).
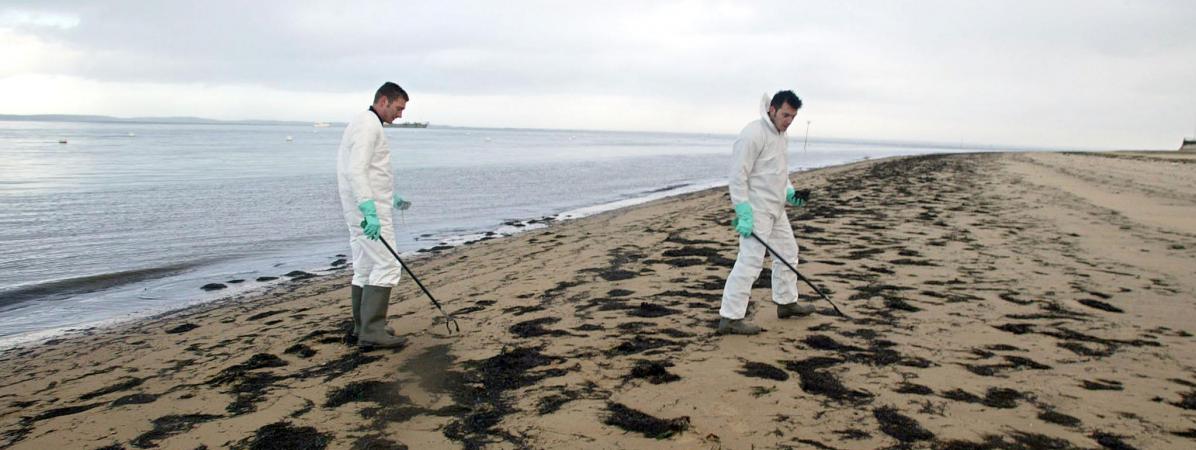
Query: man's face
point(388, 110)
point(783, 117)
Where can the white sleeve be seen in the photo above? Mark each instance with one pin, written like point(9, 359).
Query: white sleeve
point(360, 154)
point(743, 160)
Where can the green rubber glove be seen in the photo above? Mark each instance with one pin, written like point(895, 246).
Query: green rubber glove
point(796, 198)
point(370, 225)
point(743, 219)
point(401, 204)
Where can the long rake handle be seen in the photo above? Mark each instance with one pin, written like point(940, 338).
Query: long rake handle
point(799, 275)
point(447, 317)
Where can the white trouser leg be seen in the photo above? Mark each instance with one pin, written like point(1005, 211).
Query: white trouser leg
point(372, 263)
point(362, 265)
point(784, 281)
point(747, 268)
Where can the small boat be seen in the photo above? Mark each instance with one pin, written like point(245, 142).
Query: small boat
point(289, 139)
point(62, 141)
point(321, 124)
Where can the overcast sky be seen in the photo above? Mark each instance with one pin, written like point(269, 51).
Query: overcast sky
point(1092, 73)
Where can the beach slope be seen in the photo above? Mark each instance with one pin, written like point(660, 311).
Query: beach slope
point(1030, 300)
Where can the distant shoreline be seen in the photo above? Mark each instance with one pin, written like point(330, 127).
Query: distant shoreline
point(83, 118)
point(962, 146)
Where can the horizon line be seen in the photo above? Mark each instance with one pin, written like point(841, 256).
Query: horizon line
point(194, 120)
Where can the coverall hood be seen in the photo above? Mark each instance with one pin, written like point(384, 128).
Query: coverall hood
point(764, 103)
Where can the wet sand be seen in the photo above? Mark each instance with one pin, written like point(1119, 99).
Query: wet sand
point(997, 300)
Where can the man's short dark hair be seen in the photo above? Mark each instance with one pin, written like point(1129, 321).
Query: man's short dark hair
point(391, 91)
point(784, 97)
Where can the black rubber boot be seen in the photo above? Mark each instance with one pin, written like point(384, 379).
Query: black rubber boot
point(375, 300)
point(728, 326)
point(795, 309)
point(356, 294)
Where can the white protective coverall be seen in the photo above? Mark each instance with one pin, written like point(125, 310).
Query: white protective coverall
point(363, 172)
point(760, 176)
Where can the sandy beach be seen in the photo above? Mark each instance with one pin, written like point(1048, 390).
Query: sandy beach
point(1015, 300)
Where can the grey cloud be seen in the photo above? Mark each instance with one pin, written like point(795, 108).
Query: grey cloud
point(928, 60)
point(543, 47)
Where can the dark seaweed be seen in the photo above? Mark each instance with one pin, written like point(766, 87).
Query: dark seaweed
point(762, 370)
point(900, 427)
point(481, 393)
point(1016, 328)
point(167, 426)
point(535, 327)
point(375, 442)
point(64, 411)
point(128, 383)
point(824, 342)
point(337, 367)
point(382, 393)
point(917, 389)
point(300, 350)
point(1102, 385)
point(617, 275)
point(284, 436)
point(1188, 401)
point(653, 371)
point(639, 344)
point(652, 310)
point(1190, 433)
point(637, 421)
point(263, 315)
point(1097, 304)
point(248, 387)
point(961, 395)
point(1002, 398)
point(821, 382)
point(1111, 441)
point(1058, 418)
point(134, 399)
point(182, 328)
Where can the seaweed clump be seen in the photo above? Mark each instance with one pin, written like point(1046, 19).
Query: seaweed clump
point(899, 426)
point(653, 371)
point(481, 393)
point(762, 370)
point(630, 419)
point(283, 435)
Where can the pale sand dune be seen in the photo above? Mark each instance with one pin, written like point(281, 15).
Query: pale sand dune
point(984, 292)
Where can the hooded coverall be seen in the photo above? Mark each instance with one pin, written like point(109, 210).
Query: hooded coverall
point(363, 173)
point(760, 176)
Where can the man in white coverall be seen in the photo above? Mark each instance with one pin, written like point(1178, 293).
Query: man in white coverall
point(760, 188)
point(366, 186)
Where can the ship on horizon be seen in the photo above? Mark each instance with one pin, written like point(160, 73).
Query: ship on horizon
point(1189, 145)
point(406, 125)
